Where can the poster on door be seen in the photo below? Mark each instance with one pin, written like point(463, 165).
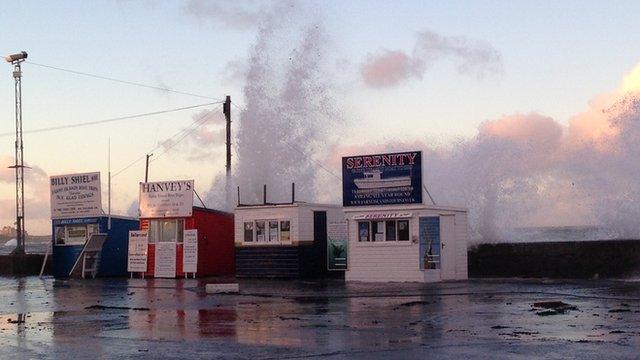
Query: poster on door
point(137, 254)
point(190, 251)
point(165, 261)
point(337, 245)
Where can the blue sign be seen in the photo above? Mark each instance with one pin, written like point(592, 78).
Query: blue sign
point(382, 179)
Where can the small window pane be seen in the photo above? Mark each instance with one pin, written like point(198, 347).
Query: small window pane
point(363, 231)
point(273, 231)
point(153, 231)
point(260, 231)
point(248, 231)
point(377, 229)
point(180, 224)
point(60, 236)
point(168, 231)
point(403, 230)
point(391, 230)
point(285, 231)
point(76, 234)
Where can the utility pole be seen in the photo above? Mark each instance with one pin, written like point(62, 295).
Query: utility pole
point(226, 110)
point(146, 168)
point(15, 60)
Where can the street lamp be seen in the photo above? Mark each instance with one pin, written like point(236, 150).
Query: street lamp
point(16, 60)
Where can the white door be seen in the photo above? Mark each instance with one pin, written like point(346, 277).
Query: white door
point(448, 243)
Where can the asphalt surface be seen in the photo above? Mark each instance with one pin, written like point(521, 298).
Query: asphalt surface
point(270, 319)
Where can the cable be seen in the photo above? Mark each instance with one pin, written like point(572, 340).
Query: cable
point(199, 122)
point(123, 81)
point(96, 122)
point(311, 159)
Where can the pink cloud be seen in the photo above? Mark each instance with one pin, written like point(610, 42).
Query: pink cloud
point(388, 69)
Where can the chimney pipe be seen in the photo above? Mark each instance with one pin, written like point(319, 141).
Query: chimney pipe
point(238, 195)
point(264, 194)
point(293, 193)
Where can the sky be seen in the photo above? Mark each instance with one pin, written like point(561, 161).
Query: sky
point(397, 72)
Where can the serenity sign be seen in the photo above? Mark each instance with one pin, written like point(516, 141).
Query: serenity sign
point(75, 195)
point(382, 179)
point(166, 199)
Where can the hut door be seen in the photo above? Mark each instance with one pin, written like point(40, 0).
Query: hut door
point(448, 241)
point(165, 256)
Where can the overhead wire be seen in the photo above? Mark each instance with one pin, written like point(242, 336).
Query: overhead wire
point(96, 122)
point(102, 77)
point(184, 132)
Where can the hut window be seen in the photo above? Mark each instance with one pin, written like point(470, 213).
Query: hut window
point(285, 231)
point(260, 231)
point(248, 231)
point(363, 231)
point(403, 230)
point(74, 234)
point(389, 230)
point(166, 230)
point(273, 231)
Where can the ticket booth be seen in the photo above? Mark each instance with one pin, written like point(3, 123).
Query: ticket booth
point(393, 235)
point(76, 215)
point(71, 235)
point(289, 240)
point(169, 217)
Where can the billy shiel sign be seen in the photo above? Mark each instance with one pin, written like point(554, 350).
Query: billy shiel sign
point(137, 254)
point(166, 199)
point(382, 179)
point(75, 195)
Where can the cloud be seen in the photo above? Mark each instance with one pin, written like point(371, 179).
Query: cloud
point(389, 69)
point(528, 169)
point(472, 57)
point(37, 208)
point(239, 14)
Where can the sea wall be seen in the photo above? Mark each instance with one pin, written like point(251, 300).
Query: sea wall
point(23, 265)
point(569, 259)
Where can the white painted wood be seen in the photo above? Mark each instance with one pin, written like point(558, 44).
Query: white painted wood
point(448, 247)
point(395, 261)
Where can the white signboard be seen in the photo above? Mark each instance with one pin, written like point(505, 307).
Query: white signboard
point(166, 199)
point(75, 195)
point(165, 261)
point(190, 251)
point(137, 255)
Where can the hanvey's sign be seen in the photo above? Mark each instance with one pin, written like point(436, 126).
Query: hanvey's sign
point(75, 195)
point(382, 179)
point(166, 199)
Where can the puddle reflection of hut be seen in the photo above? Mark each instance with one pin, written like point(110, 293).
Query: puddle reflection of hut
point(76, 212)
point(284, 240)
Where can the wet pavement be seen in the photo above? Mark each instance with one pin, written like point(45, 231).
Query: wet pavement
point(271, 319)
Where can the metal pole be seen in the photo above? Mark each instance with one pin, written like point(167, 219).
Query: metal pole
point(19, 160)
point(146, 168)
point(226, 109)
point(109, 184)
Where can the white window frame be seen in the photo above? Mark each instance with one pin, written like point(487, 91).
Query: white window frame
point(371, 238)
point(66, 233)
point(157, 235)
point(267, 232)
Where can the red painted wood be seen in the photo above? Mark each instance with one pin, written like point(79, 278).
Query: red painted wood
point(216, 250)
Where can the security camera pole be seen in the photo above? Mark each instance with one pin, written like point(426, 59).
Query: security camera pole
point(15, 60)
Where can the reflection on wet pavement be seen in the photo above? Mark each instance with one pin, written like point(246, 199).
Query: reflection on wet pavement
point(271, 319)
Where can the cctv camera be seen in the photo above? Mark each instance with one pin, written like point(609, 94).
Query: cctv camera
point(16, 57)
